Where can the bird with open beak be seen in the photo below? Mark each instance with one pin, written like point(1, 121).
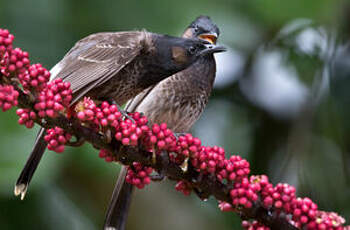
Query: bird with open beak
point(178, 101)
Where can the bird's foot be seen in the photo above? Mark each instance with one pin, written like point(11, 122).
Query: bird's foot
point(122, 111)
point(177, 135)
point(21, 189)
point(125, 114)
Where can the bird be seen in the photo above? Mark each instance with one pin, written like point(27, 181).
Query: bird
point(116, 66)
point(178, 101)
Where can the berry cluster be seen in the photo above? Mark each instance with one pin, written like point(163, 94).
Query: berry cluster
point(184, 187)
point(6, 40)
point(56, 139)
point(35, 79)
point(107, 155)
point(130, 131)
point(209, 159)
point(304, 211)
point(108, 115)
point(159, 138)
point(8, 97)
point(253, 225)
point(260, 181)
point(85, 109)
point(138, 175)
point(55, 98)
point(188, 146)
point(327, 220)
point(234, 170)
point(14, 62)
point(279, 197)
point(26, 117)
point(244, 194)
point(225, 206)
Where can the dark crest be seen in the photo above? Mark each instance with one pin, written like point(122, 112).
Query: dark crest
point(206, 24)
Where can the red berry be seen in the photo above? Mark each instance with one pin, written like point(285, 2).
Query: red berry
point(184, 187)
point(35, 79)
point(253, 225)
point(303, 210)
point(56, 139)
point(244, 194)
point(26, 117)
point(54, 98)
point(138, 175)
point(8, 97)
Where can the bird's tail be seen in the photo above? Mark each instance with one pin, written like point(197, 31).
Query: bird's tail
point(119, 204)
point(31, 165)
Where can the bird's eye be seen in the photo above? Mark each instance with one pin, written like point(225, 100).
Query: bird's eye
point(196, 29)
point(192, 49)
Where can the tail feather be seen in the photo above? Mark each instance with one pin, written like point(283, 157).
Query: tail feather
point(31, 165)
point(119, 204)
point(118, 207)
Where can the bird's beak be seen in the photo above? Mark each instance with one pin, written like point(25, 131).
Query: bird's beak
point(210, 48)
point(210, 37)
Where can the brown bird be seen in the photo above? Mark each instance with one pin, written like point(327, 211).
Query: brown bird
point(117, 67)
point(178, 101)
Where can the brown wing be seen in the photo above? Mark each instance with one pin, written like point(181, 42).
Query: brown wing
point(98, 57)
point(132, 104)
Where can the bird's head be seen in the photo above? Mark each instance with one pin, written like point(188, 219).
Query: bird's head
point(202, 28)
point(175, 54)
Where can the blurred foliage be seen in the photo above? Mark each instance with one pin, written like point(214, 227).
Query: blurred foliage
point(281, 100)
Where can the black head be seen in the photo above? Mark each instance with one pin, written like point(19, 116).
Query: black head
point(175, 54)
point(203, 28)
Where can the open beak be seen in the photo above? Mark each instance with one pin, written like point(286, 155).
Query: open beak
point(210, 37)
point(210, 49)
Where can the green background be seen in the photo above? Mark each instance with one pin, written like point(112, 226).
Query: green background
point(304, 142)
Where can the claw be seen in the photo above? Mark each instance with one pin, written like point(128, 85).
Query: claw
point(177, 135)
point(122, 111)
point(21, 189)
point(125, 114)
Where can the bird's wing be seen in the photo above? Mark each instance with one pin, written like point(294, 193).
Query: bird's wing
point(98, 57)
point(132, 104)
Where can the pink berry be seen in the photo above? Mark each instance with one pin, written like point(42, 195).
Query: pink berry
point(253, 225)
point(138, 175)
point(56, 139)
point(184, 187)
point(8, 97)
point(51, 99)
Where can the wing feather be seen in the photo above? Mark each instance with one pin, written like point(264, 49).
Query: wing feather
point(98, 57)
point(132, 104)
